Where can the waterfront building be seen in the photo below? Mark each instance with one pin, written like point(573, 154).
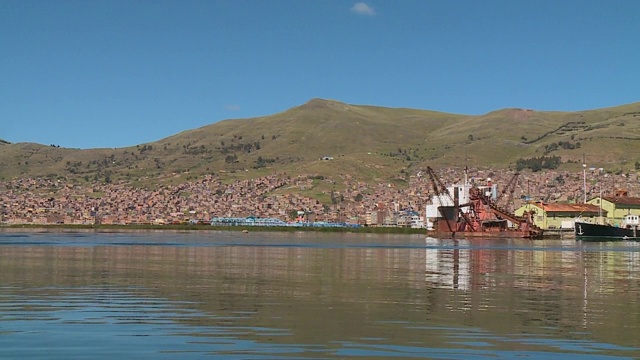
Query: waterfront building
point(560, 215)
point(617, 206)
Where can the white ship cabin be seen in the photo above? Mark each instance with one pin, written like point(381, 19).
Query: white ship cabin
point(432, 213)
point(631, 220)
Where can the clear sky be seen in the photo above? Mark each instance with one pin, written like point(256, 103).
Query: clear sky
point(89, 74)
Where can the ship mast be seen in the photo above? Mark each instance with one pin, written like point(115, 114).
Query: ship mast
point(466, 177)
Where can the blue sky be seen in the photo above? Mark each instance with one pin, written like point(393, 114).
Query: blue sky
point(89, 74)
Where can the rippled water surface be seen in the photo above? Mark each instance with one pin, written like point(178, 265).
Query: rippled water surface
point(230, 295)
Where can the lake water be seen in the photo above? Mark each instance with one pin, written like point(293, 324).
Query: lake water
point(230, 295)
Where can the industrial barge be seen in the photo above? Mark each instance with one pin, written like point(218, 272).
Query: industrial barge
point(467, 210)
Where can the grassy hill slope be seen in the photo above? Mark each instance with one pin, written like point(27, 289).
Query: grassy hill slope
point(366, 142)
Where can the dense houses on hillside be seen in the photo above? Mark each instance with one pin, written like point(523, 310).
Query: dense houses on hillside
point(56, 201)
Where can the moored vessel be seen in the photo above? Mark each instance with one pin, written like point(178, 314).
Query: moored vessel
point(474, 211)
point(628, 230)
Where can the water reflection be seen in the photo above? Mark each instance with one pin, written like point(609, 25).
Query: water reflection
point(315, 295)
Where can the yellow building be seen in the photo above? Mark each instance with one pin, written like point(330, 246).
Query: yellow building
point(560, 215)
point(617, 206)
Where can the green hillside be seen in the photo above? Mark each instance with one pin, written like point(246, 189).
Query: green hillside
point(366, 142)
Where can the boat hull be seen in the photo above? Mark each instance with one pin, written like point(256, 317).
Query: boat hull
point(588, 231)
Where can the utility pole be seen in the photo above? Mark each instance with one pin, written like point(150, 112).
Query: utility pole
point(584, 181)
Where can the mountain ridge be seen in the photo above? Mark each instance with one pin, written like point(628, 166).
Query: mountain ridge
point(371, 142)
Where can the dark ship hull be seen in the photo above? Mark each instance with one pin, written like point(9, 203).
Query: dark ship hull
point(588, 231)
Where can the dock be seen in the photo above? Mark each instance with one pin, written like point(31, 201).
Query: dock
point(558, 234)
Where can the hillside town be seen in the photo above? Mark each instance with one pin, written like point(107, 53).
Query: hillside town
point(58, 201)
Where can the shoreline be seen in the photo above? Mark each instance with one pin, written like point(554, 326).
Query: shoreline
point(111, 228)
point(124, 228)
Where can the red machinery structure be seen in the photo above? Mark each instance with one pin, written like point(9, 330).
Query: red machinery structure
point(480, 216)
